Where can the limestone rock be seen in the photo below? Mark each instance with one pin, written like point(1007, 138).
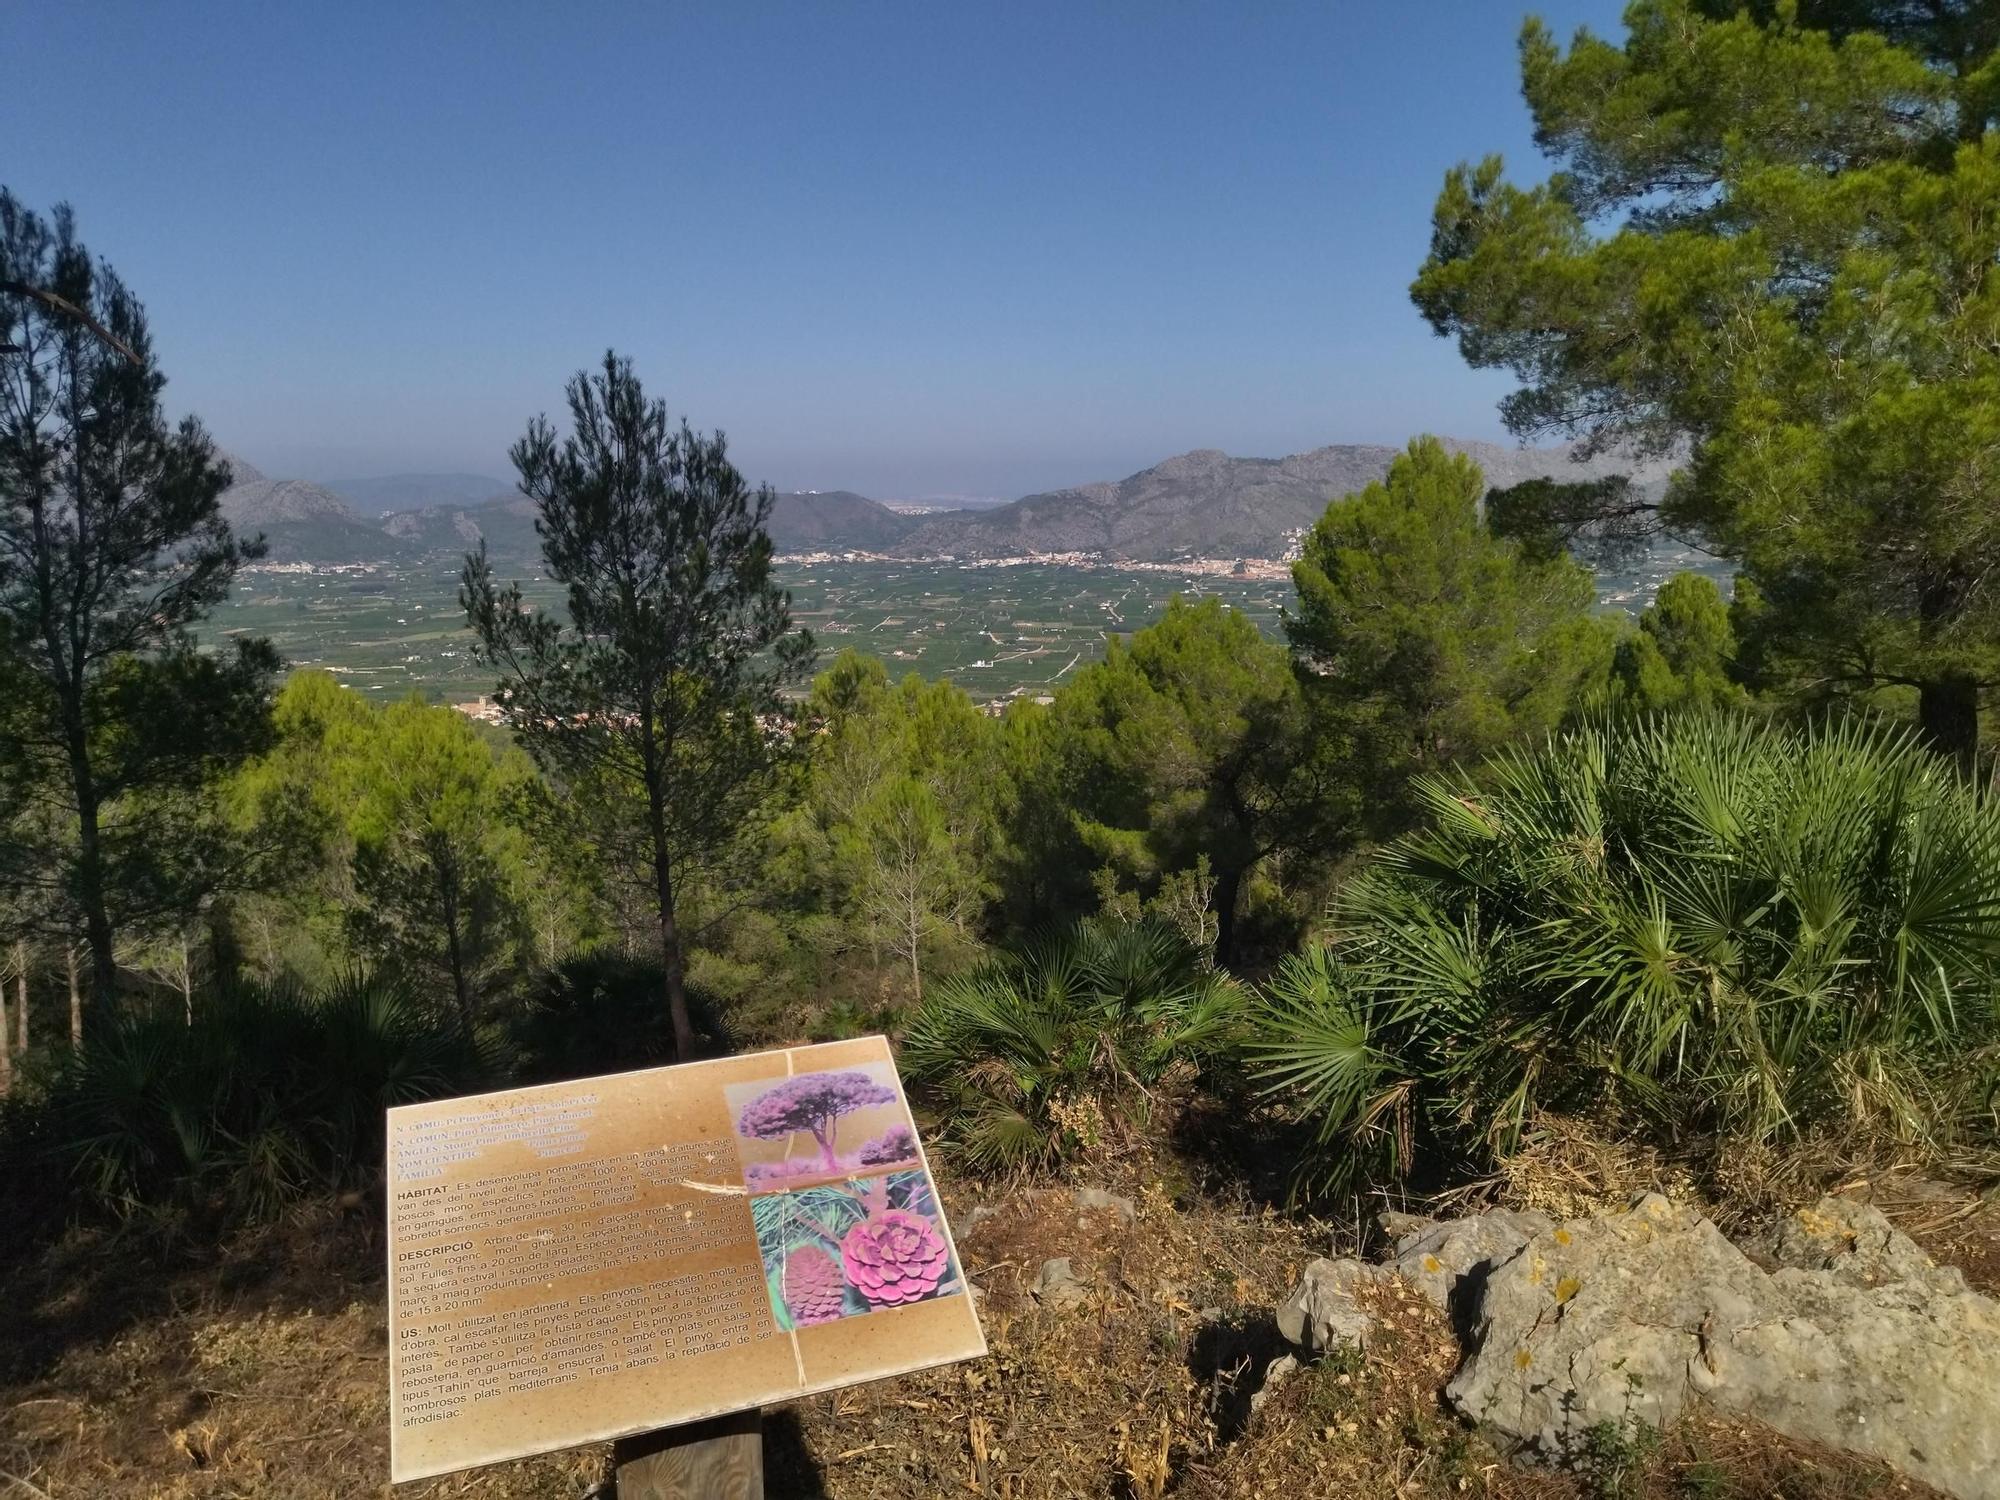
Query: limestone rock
point(1323, 1314)
point(1396, 1226)
point(1436, 1257)
point(1856, 1244)
point(1276, 1373)
point(1624, 1318)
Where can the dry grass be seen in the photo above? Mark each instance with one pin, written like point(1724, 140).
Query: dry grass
point(204, 1394)
point(261, 1372)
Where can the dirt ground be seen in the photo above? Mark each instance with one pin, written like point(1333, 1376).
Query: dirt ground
point(262, 1372)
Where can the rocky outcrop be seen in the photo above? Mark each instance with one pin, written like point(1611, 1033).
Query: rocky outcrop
point(1448, 1262)
point(1840, 1331)
point(1854, 1243)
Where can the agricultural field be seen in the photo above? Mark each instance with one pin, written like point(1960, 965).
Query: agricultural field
point(1002, 631)
point(998, 632)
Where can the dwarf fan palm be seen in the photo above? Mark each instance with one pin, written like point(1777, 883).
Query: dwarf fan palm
point(264, 1095)
point(1036, 1054)
point(1710, 923)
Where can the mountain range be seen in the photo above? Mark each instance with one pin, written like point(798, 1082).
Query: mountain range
point(1201, 504)
point(1206, 504)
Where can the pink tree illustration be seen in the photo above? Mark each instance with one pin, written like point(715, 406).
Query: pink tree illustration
point(814, 1103)
point(892, 1147)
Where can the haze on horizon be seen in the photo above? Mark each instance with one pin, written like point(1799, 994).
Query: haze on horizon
point(1102, 235)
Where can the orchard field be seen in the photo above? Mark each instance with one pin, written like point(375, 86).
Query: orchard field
point(996, 632)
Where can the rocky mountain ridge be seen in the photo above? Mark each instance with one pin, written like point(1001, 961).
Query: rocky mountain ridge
point(1208, 504)
point(1203, 504)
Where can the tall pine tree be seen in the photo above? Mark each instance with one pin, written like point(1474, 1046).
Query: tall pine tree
point(659, 699)
point(112, 548)
point(1422, 638)
point(1769, 243)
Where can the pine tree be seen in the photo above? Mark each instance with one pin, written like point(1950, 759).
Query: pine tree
point(893, 823)
point(1683, 655)
point(112, 548)
point(1768, 246)
point(439, 855)
point(1190, 743)
point(1425, 639)
point(660, 696)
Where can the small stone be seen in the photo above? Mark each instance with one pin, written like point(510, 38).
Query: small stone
point(1094, 1197)
point(1396, 1226)
point(1058, 1285)
point(1322, 1313)
point(1276, 1373)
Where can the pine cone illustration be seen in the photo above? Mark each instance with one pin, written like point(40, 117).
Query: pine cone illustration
point(812, 1286)
point(893, 1257)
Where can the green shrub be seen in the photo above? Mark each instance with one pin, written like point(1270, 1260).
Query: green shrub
point(1036, 1056)
point(1708, 924)
point(265, 1095)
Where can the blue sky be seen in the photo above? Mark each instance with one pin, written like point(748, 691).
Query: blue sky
point(942, 248)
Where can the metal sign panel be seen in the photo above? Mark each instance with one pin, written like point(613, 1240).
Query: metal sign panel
point(587, 1260)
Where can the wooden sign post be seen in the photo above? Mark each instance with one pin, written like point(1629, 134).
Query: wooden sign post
point(720, 1459)
point(641, 1256)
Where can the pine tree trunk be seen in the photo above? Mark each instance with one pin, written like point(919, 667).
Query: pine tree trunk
point(21, 992)
point(96, 920)
point(6, 1053)
point(912, 919)
point(455, 954)
point(670, 938)
point(90, 869)
point(75, 998)
point(1948, 714)
point(1228, 890)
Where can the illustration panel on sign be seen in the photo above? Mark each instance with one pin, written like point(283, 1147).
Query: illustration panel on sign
point(821, 1127)
point(861, 1246)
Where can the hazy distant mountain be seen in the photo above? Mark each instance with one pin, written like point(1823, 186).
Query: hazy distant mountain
point(300, 521)
point(264, 502)
point(1208, 504)
point(241, 470)
point(391, 492)
point(506, 525)
point(1203, 504)
point(836, 519)
point(306, 522)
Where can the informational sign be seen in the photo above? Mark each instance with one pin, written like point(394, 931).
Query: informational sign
point(592, 1259)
